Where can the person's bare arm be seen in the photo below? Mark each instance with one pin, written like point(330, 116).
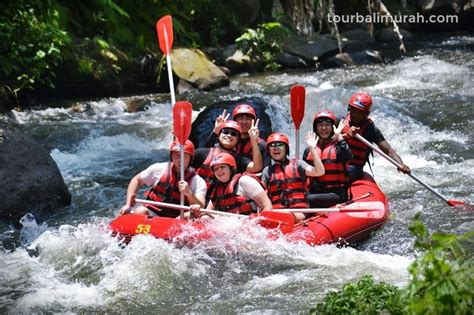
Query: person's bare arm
point(257, 162)
point(133, 186)
point(262, 201)
point(317, 169)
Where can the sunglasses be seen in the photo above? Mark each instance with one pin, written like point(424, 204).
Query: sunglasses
point(279, 145)
point(231, 132)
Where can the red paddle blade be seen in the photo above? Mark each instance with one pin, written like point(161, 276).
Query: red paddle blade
point(182, 115)
point(454, 203)
point(297, 93)
point(164, 28)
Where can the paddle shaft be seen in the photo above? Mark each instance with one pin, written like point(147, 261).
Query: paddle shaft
point(297, 136)
point(170, 70)
point(398, 165)
point(317, 210)
point(181, 171)
point(187, 208)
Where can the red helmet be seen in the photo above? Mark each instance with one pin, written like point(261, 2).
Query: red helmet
point(224, 158)
point(188, 147)
point(231, 124)
point(361, 101)
point(278, 137)
point(324, 114)
point(244, 109)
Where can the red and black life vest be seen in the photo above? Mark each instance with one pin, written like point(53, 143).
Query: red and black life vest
point(246, 150)
point(286, 187)
point(167, 190)
point(334, 171)
point(360, 150)
point(205, 170)
point(224, 196)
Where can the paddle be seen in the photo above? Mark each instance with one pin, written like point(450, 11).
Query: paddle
point(187, 208)
point(297, 100)
point(164, 28)
point(284, 221)
point(353, 207)
point(182, 114)
point(450, 202)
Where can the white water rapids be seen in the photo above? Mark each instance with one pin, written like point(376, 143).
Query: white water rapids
point(423, 105)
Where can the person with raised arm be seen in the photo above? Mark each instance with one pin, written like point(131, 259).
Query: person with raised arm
point(229, 135)
point(286, 178)
point(333, 151)
point(243, 114)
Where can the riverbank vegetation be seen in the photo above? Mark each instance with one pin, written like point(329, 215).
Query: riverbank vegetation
point(58, 48)
point(441, 281)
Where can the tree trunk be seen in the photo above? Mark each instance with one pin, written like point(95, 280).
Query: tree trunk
point(300, 14)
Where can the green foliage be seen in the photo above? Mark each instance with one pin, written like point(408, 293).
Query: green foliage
point(31, 42)
point(363, 297)
point(442, 281)
point(263, 44)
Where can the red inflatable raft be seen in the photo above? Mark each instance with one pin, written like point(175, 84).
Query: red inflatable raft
point(350, 223)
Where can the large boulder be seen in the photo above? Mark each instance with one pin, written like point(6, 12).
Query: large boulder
point(311, 49)
point(204, 123)
point(192, 65)
point(31, 181)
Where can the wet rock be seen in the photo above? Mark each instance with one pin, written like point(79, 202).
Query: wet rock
point(193, 66)
point(311, 49)
point(204, 123)
point(183, 87)
point(387, 35)
point(238, 61)
point(367, 57)
point(339, 60)
point(290, 61)
point(31, 180)
point(357, 40)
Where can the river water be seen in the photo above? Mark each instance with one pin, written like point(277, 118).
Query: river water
point(423, 105)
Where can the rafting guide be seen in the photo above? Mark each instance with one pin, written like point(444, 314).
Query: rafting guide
point(357, 121)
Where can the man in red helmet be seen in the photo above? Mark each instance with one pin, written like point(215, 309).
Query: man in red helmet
point(286, 178)
point(228, 139)
point(332, 149)
point(358, 121)
point(166, 185)
point(245, 115)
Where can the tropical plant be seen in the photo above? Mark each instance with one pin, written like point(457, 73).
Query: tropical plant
point(363, 297)
point(31, 42)
point(442, 279)
point(263, 44)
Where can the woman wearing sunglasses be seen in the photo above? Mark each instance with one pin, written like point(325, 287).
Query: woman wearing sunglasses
point(332, 149)
point(229, 135)
point(286, 178)
point(245, 115)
